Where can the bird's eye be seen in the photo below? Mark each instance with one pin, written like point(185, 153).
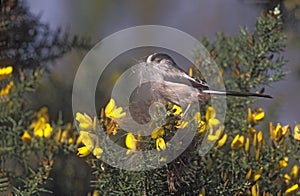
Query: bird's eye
point(157, 60)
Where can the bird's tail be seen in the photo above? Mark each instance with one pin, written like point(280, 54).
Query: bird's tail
point(235, 93)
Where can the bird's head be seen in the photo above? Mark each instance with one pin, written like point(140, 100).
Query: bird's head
point(159, 58)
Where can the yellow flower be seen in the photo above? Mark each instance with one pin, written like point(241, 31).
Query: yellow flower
point(257, 174)
point(58, 135)
point(291, 190)
point(83, 151)
point(216, 136)
point(112, 111)
point(202, 127)
point(248, 175)
point(5, 71)
point(278, 133)
point(157, 132)
point(210, 117)
point(26, 137)
point(41, 128)
point(97, 152)
point(65, 133)
point(130, 141)
point(294, 171)
point(197, 117)
point(160, 144)
point(177, 110)
point(201, 124)
point(287, 178)
point(284, 162)
point(222, 141)
point(210, 113)
point(255, 190)
point(90, 145)
point(257, 152)
point(247, 144)
point(96, 193)
point(254, 139)
point(86, 139)
point(181, 124)
point(191, 72)
point(43, 113)
point(7, 89)
point(259, 136)
point(257, 115)
point(85, 122)
point(297, 132)
point(202, 192)
point(251, 131)
point(237, 142)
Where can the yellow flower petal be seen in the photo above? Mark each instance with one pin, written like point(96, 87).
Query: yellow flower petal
point(249, 116)
point(6, 70)
point(176, 110)
point(202, 192)
point(86, 139)
point(85, 122)
point(251, 131)
point(38, 133)
point(237, 142)
point(259, 136)
point(212, 138)
point(294, 171)
point(157, 132)
point(287, 178)
point(109, 107)
point(297, 132)
point(284, 162)
point(26, 137)
point(202, 127)
point(118, 113)
point(210, 113)
point(182, 124)
point(292, 189)
point(160, 144)
point(97, 152)
point(257, 175)
point(130, 141)
point(197, 117)
point(247, 144)
point(259, 115)
point(255, 190)
point(191, 72)
point(214, 122)
point(286, 130)
point(248, 175)
point(222, 141)
point(83, 151)
point(58, 135)
point(47, 130)
point(112, 111)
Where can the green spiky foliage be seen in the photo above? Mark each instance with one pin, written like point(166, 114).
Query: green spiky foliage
point(248, 161)
point(27, 46)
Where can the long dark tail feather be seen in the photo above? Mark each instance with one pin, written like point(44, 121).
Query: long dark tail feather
point(235, 93)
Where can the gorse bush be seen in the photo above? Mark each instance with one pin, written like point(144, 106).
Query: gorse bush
point(244, 160)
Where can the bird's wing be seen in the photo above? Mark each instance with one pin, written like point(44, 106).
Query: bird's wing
point(176, 74)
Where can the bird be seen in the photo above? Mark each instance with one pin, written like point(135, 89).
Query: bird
point(171, 83)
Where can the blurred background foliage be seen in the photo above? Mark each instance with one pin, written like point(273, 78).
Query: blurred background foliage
point(38, 146)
